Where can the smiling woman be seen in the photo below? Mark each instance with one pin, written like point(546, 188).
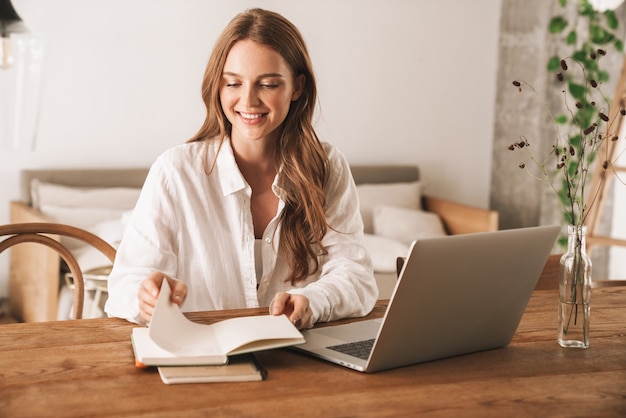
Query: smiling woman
point(254, 210)
point(257, 89)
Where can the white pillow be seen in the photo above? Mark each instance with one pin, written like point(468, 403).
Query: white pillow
point(406, 225)
point(49, 194)
point(85, 218)
point(89, 258)
point(85, 208)
point(111, 231)
point(402, 195)
point(384, 252)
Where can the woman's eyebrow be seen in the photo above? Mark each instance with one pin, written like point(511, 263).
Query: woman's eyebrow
point(267, 75)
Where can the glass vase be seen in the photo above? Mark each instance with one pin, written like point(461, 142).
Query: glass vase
point(575, 291)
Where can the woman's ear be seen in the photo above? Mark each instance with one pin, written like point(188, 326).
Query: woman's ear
point(298, 87)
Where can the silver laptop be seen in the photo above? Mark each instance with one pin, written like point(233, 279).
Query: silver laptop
point(455, 295)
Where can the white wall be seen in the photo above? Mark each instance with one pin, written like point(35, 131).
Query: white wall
point(400, 81)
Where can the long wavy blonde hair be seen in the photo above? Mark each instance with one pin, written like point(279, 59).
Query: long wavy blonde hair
point(299, 153)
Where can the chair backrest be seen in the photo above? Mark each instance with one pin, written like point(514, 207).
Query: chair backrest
point(38, 232)
point(551, 276)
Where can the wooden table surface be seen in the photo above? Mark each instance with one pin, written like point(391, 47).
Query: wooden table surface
point(86, 368)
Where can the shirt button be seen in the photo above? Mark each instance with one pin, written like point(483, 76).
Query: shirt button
point(268, 240)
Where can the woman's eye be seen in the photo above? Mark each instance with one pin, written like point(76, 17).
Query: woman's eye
point(232, 84)
point(269, 85)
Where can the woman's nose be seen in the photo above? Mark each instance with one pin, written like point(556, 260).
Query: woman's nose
point(250, 96)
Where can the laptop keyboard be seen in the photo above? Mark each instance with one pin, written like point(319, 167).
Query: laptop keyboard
point(359, 349)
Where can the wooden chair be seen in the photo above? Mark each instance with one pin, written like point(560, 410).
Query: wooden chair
point(38, 232)
point(550, 276)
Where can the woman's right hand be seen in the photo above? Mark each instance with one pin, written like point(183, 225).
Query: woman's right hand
point(149, 292)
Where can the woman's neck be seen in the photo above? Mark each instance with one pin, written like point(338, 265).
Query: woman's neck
point(258, 166)
point(255, 157)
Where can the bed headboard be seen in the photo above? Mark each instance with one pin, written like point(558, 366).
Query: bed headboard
point(83, 177)
point(135, 177)
point(384, 173)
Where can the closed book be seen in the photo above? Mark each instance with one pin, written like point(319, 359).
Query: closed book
point(241, 368)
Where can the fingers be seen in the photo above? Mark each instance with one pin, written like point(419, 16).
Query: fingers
point(179, 290)
point(149, 292)
point(296, 307)
point(278, 304)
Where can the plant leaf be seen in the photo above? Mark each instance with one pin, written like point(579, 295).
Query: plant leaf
point(557, 24)
point(599, 35)
point(571, 38)
point(577, 91)
point(586, 9)
point(563, 196)
point(611, 19)
point(554, 63)
point(580, 56)
point(575, 141)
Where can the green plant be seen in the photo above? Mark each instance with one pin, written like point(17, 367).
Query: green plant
point(577, 149)
point(584, 125)
point(568, 164)
point(566, 169)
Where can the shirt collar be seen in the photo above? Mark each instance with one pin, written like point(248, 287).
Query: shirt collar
point(278, 191)
point(228, 172)
point(230, 176)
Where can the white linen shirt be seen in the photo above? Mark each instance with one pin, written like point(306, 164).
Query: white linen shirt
point(198, 229)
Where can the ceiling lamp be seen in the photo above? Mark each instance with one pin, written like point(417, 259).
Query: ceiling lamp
point(21, 59)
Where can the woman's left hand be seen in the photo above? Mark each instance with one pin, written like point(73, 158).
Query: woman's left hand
point(296, 307)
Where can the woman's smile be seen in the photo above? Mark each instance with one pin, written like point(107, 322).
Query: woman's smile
point(252, 118)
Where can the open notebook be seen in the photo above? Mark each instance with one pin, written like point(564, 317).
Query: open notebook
point(455, 295)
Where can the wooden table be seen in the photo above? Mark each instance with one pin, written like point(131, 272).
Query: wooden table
point(85, 368)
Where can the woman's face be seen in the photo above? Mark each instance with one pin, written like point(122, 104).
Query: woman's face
point(256, 90)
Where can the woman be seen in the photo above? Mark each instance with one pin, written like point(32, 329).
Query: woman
point(254, 210)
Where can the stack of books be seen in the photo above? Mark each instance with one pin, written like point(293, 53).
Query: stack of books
point(189, 352)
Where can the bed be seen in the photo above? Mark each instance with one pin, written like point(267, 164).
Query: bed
point(390, 195)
